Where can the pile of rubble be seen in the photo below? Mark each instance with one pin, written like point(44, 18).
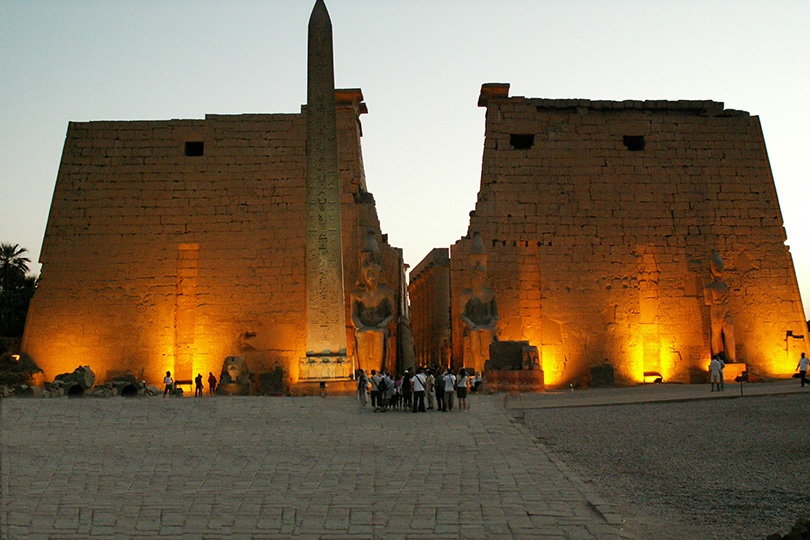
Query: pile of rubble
point(82, 382)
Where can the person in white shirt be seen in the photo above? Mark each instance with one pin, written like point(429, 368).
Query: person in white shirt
point(461, 389)
point(714, 373)
point(722, 377)
point(431, 380)
point(802, 367)
point(169, 383)
point(418, 383)
point(449, 389)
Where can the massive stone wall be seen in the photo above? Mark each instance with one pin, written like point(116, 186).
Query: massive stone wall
point(600, 219)
point(429, 294)
point(173, 244)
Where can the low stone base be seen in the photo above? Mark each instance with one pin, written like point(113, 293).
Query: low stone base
point(732, 371)
point(331, 388)
point(233, 389)
point(525, 381)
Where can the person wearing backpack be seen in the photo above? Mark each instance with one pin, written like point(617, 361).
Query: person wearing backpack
point(388, 386)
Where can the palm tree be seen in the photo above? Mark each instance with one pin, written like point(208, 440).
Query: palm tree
point(16, 289)
point(13, 265)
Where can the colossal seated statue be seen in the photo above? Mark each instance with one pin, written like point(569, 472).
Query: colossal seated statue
point(373, 310)
point(479, 311)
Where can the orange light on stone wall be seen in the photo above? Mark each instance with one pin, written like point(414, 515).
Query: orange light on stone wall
point(552, 367)
point(636, 362)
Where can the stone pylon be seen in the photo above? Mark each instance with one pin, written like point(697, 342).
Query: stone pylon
point(325, 312)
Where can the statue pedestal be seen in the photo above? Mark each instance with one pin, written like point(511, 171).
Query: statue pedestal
point(732, 371)
point(324, 367)
point(525, 381)
point(233, 389)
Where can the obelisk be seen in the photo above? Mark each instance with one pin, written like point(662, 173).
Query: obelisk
point(326, 322)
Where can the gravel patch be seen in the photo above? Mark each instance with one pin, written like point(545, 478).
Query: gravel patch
point(708, 469)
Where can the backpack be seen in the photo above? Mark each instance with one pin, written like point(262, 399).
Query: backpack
point(382, 386)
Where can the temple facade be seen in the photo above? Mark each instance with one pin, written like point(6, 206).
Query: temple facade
point(601, 220)
point(172, 245)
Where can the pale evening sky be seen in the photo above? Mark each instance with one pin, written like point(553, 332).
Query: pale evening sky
point(420, 64)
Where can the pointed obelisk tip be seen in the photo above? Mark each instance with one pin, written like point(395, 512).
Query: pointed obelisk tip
point(319, 12)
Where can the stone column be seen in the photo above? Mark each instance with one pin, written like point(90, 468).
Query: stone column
point(325, 312)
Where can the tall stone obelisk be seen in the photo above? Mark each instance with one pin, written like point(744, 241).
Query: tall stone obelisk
point(326, 319)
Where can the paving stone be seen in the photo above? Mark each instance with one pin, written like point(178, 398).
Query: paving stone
point(281, 468)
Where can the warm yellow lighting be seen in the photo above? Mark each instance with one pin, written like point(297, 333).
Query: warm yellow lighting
point(653, 377)
point(15, 357)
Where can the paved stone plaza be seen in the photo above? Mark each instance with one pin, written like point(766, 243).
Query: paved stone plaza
point(267, 468)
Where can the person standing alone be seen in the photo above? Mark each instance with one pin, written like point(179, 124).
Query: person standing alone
point(802, 367)
point(168, 383)
point(212, 383)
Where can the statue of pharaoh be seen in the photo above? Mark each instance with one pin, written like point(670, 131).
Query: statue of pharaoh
point(479, 311)
point(373, 309)
point(716, 296)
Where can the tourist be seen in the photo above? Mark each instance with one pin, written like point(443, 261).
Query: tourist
point(439, 387)
point(212, 383)
point(802, 367)
point(407, 396)
point(714, 373)
point(376, 402)
point(395, 400)
point(418, 382)
point(476, 382)
point(168, 383)
point(722, 377)
point(449, 389)
point(389, 392)
point(198, 385)
point(461, 389)
point(430, 383)
point(362, 387)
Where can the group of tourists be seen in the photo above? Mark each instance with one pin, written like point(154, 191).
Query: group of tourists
point(717, 364)
point(170, 385)
point(416, 390)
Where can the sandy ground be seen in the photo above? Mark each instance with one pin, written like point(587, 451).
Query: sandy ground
point(730, 468)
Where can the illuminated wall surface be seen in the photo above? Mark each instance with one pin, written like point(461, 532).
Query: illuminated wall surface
point(600, 218)
point(429, 294)
point(173, 244)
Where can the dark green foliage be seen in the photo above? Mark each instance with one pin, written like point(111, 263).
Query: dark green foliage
point(16, 289)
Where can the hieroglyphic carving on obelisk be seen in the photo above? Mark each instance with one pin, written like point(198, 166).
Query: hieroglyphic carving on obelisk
point(326, 323)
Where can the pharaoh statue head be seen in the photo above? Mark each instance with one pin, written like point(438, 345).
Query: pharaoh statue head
point(235, 368)
point(478, 259)
point(717, 265)
point(370, 261)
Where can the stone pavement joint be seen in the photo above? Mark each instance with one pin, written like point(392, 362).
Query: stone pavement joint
point(267, 468)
